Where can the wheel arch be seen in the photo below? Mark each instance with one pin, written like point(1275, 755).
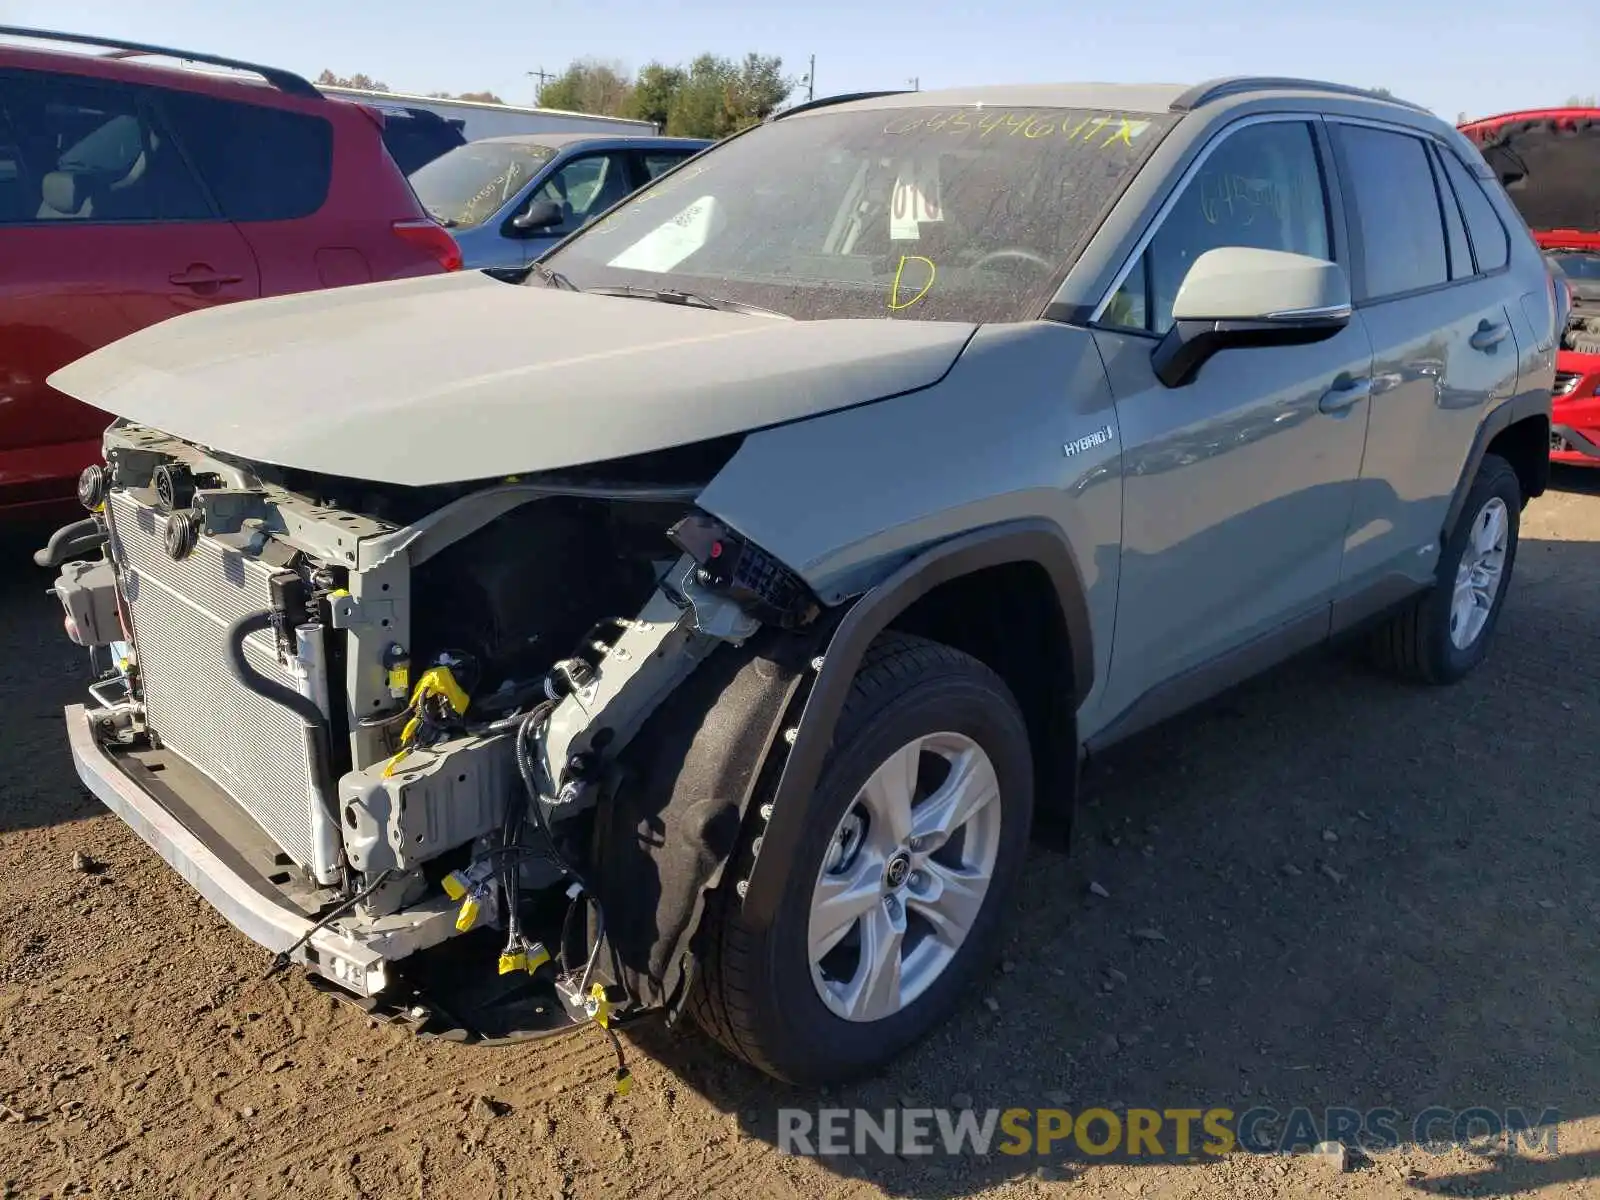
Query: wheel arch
point(1519, 432)
point(1029, 568)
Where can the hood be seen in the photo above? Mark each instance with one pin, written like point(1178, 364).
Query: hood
point(1549, 162)
point(453, 378)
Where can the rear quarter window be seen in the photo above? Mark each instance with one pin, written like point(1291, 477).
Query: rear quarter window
point(261, 164)
point(1490, 243)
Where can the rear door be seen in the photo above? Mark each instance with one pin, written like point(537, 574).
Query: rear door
point(270, 170)
point(1434, 304)
point(104, 229)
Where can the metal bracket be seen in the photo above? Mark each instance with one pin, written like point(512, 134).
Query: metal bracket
point(349, 612)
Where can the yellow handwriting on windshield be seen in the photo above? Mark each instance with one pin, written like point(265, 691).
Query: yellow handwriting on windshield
point(896, 301)
point(1100, 130)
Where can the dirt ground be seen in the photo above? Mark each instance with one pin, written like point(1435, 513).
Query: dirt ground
point(1370, 896)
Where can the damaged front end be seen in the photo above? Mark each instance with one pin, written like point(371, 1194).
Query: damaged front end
point(471, 753)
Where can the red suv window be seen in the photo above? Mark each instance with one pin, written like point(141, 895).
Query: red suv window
point(92, 152)
point(261, 164)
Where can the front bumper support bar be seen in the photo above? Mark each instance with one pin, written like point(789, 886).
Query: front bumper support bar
point(353, 952)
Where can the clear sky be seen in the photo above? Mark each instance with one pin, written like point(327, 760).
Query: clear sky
point(1473, 56)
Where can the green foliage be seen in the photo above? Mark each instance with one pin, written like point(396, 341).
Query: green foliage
point(1588, 101)
point(711, 97)
point(653, 90)
point(589, 86)
point(365, 82)
point(476, 97)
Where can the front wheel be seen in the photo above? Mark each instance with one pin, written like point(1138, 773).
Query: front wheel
point(1444, 633)
point(894, 896)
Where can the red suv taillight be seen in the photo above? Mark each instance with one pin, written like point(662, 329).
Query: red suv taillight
point(433, 238)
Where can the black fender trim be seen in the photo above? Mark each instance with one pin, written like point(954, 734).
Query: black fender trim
point(1518, 408)
point(1035, 541)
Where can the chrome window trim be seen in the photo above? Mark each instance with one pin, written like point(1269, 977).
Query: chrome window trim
point(1306, 117)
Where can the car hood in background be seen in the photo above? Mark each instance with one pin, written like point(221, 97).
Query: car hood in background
point(454, 378)
point(1549, 163)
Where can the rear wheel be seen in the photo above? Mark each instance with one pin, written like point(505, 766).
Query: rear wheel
point(893, 898)
point(1444, 633)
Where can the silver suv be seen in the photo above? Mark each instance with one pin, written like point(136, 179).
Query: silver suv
point(702, 623)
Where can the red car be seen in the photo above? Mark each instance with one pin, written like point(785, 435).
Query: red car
point(131, 192)
point(1549, 160)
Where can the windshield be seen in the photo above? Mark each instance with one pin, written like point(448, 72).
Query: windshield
point(968, 214)
point(471, 183)
point(1576, 264)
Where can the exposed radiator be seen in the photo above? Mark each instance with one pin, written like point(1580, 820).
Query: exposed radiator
point(253, 749)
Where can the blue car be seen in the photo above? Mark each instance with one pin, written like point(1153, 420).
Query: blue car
point(507, 200)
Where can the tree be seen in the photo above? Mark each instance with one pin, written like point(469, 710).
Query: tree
point(653, 91)
point(711, 97)
point(1582, 101)
point(589, 86)
point(475, 97)
point(719, 97)
point(365, 82)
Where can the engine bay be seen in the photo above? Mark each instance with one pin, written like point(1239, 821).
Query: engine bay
point(466, 672)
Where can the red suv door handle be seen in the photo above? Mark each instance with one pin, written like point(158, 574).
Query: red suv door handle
point(200, 276)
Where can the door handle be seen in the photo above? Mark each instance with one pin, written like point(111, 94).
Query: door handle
point(1344, 395)
point(199, 275)
point(1489, 334)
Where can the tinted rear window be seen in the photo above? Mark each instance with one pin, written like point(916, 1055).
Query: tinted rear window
point(1489, 240)
point(415, 140)
point(1397, 206)
point(261, 164)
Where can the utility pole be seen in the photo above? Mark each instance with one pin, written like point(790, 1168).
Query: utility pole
point(542, 76)
point(916, 83)
point(811, 80)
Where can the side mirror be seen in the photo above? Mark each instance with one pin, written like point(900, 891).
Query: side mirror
point(1236, 297)
point(539, 215)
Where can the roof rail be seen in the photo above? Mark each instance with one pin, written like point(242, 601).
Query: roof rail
point(1217, 89)
point(844, 98)
point(285, 81)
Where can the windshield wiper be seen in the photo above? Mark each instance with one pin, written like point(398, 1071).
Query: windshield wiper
point(554, 278)
point(692, 299)
point(447, 222)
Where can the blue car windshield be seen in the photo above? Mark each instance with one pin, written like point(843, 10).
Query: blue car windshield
point(469, 184)
point(968, 214)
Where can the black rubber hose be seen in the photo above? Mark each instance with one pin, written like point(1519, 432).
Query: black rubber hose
point(70, 540)
point(317, 744)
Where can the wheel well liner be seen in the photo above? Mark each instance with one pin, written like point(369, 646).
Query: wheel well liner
point(661, 843)
point(1038, 542)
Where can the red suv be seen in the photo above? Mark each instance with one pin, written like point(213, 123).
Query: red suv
point(1549, 160)
point(131, 192)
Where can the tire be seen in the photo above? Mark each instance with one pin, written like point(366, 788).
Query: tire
point(1420, 642)
point(758, 992)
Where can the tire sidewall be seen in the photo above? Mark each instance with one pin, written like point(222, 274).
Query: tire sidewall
point(1495, 479)
point(807, 1038)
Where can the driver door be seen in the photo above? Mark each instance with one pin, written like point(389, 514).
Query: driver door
point(1238, 486)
